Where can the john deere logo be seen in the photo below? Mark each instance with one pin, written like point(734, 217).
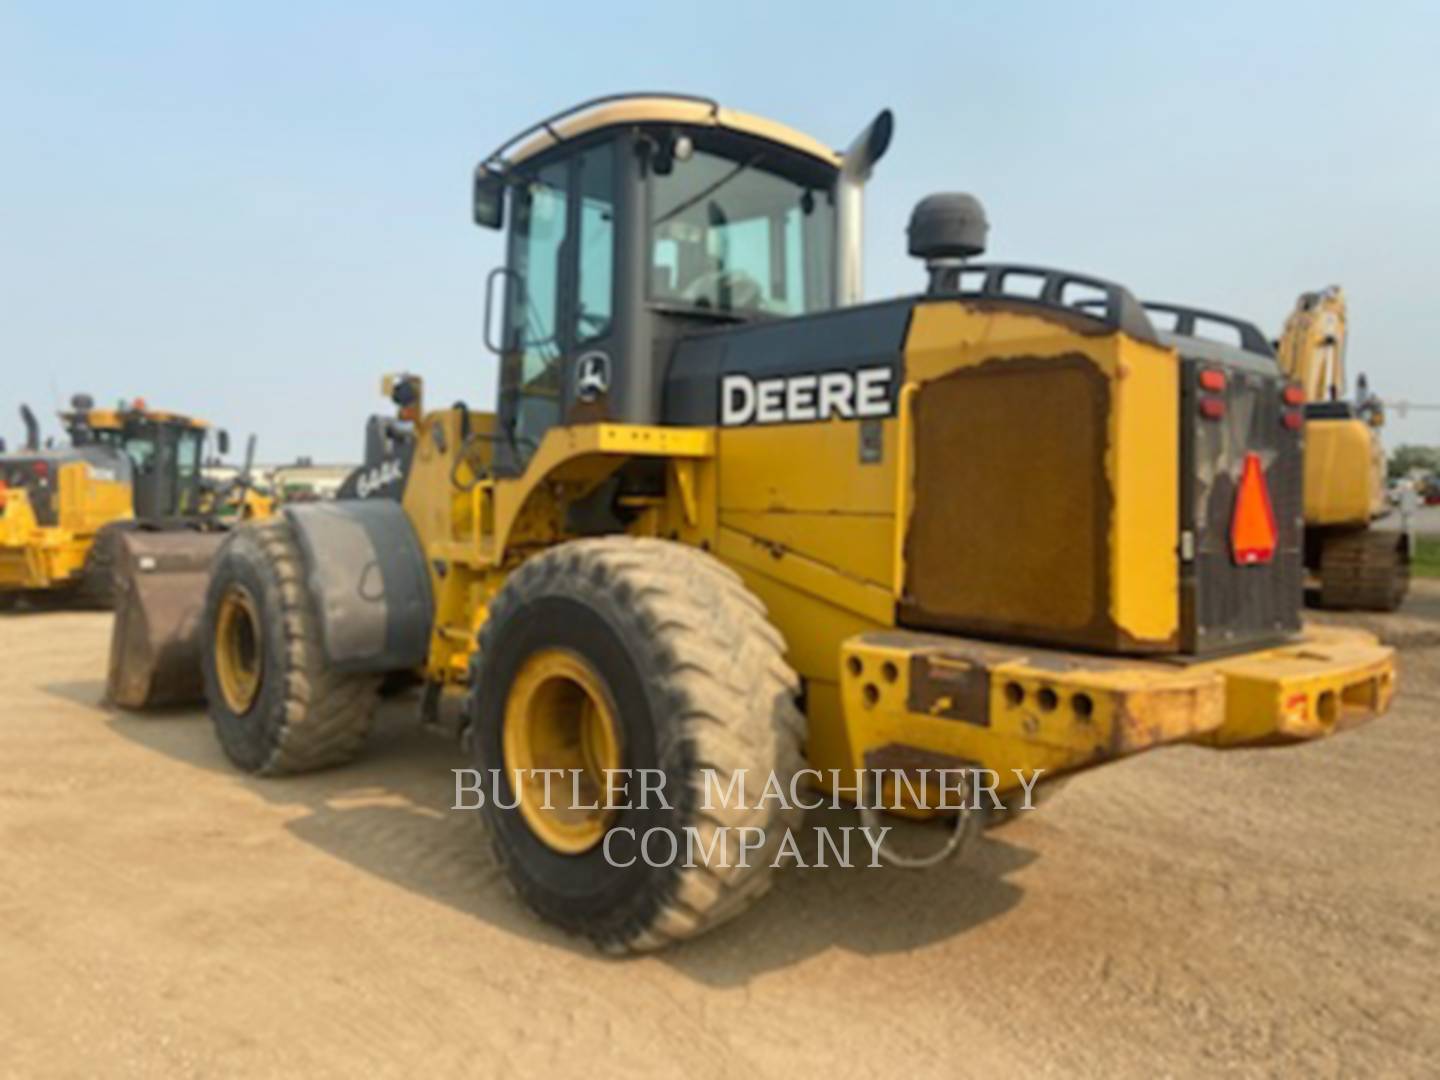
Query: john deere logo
point(592, 376)
point(845, 395)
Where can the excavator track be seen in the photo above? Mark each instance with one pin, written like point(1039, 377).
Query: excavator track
point(1364, 571)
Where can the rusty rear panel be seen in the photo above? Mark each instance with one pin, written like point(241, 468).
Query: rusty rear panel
point(1010, 519)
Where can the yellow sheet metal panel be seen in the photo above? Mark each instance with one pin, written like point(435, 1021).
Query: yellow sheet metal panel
point(91, 498)
point(430, 497)
point(1144, 464)
point(839, 599)
point(858, 546)
point(804, 488)
point(816, 467)
point(1342, 483)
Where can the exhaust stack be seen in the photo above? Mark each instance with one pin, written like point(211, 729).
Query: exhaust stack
point(855, 167)
point(32, 428)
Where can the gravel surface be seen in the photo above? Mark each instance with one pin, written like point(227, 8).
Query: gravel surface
point(1186, 912)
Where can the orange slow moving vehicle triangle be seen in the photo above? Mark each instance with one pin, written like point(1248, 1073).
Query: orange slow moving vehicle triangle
point(1252, 529)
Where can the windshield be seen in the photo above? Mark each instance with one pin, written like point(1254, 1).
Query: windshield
point(729, 235)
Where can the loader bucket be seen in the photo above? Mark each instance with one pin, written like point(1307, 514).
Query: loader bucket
point(159, 604)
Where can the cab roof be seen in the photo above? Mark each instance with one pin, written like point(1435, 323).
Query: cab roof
point(615, 110)
point(115, 419)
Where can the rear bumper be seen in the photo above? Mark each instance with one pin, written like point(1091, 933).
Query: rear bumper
point(919, 701)
point(1334, 679)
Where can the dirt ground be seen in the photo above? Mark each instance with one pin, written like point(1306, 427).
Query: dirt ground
point(1186, 912)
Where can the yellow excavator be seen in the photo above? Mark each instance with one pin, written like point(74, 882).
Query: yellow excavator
point(63, 509)
point(1352, 564)
point(736, 542)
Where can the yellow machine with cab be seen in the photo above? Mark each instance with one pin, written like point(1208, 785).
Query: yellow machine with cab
point(1355, 564)
point(63, 509)
point(730, 527)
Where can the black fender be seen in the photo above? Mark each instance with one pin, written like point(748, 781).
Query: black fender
point(365, 570)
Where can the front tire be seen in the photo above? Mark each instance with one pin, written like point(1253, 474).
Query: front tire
point(277, 705)
point(633, 654)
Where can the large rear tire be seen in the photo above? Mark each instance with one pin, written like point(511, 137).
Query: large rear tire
point(634, 654)
point(277, 705)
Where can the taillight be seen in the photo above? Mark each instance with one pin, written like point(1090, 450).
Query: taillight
point(41, 470)
point(1293, 420)
point(1211, 381)
point(1293, 395)
point(1252, 530)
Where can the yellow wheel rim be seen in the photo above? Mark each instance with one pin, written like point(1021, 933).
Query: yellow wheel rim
point(239, 661)
point(559, 715)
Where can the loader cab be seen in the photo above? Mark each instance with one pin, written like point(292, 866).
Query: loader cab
point(632, 222)
point(164, 452)
point(167, 457)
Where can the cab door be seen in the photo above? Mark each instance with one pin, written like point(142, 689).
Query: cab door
point(559, 328)
point(153, 458)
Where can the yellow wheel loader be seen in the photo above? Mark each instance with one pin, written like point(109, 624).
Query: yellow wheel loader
point(1354, 564)
point(735, 543)
point(64, 509)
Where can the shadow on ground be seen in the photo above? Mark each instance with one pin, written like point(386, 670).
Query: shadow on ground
point(390, 815)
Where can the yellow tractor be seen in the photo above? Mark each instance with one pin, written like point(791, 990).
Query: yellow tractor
point(735, 543)
point(62, 509)
point(1355, 564)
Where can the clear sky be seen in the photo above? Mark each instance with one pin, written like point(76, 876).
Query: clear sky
point(251, 211)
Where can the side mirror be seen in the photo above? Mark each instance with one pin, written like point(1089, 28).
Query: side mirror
point(489, 198)
point(222, 440)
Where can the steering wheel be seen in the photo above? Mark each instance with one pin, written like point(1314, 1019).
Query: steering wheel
point(593, 320)
point(745, 292)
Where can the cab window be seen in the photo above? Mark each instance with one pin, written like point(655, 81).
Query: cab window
point(187, 461)
point(729, 235)
point(561, 295)
point(595, 304)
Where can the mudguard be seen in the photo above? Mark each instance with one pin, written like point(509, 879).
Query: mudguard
point(365, 569)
